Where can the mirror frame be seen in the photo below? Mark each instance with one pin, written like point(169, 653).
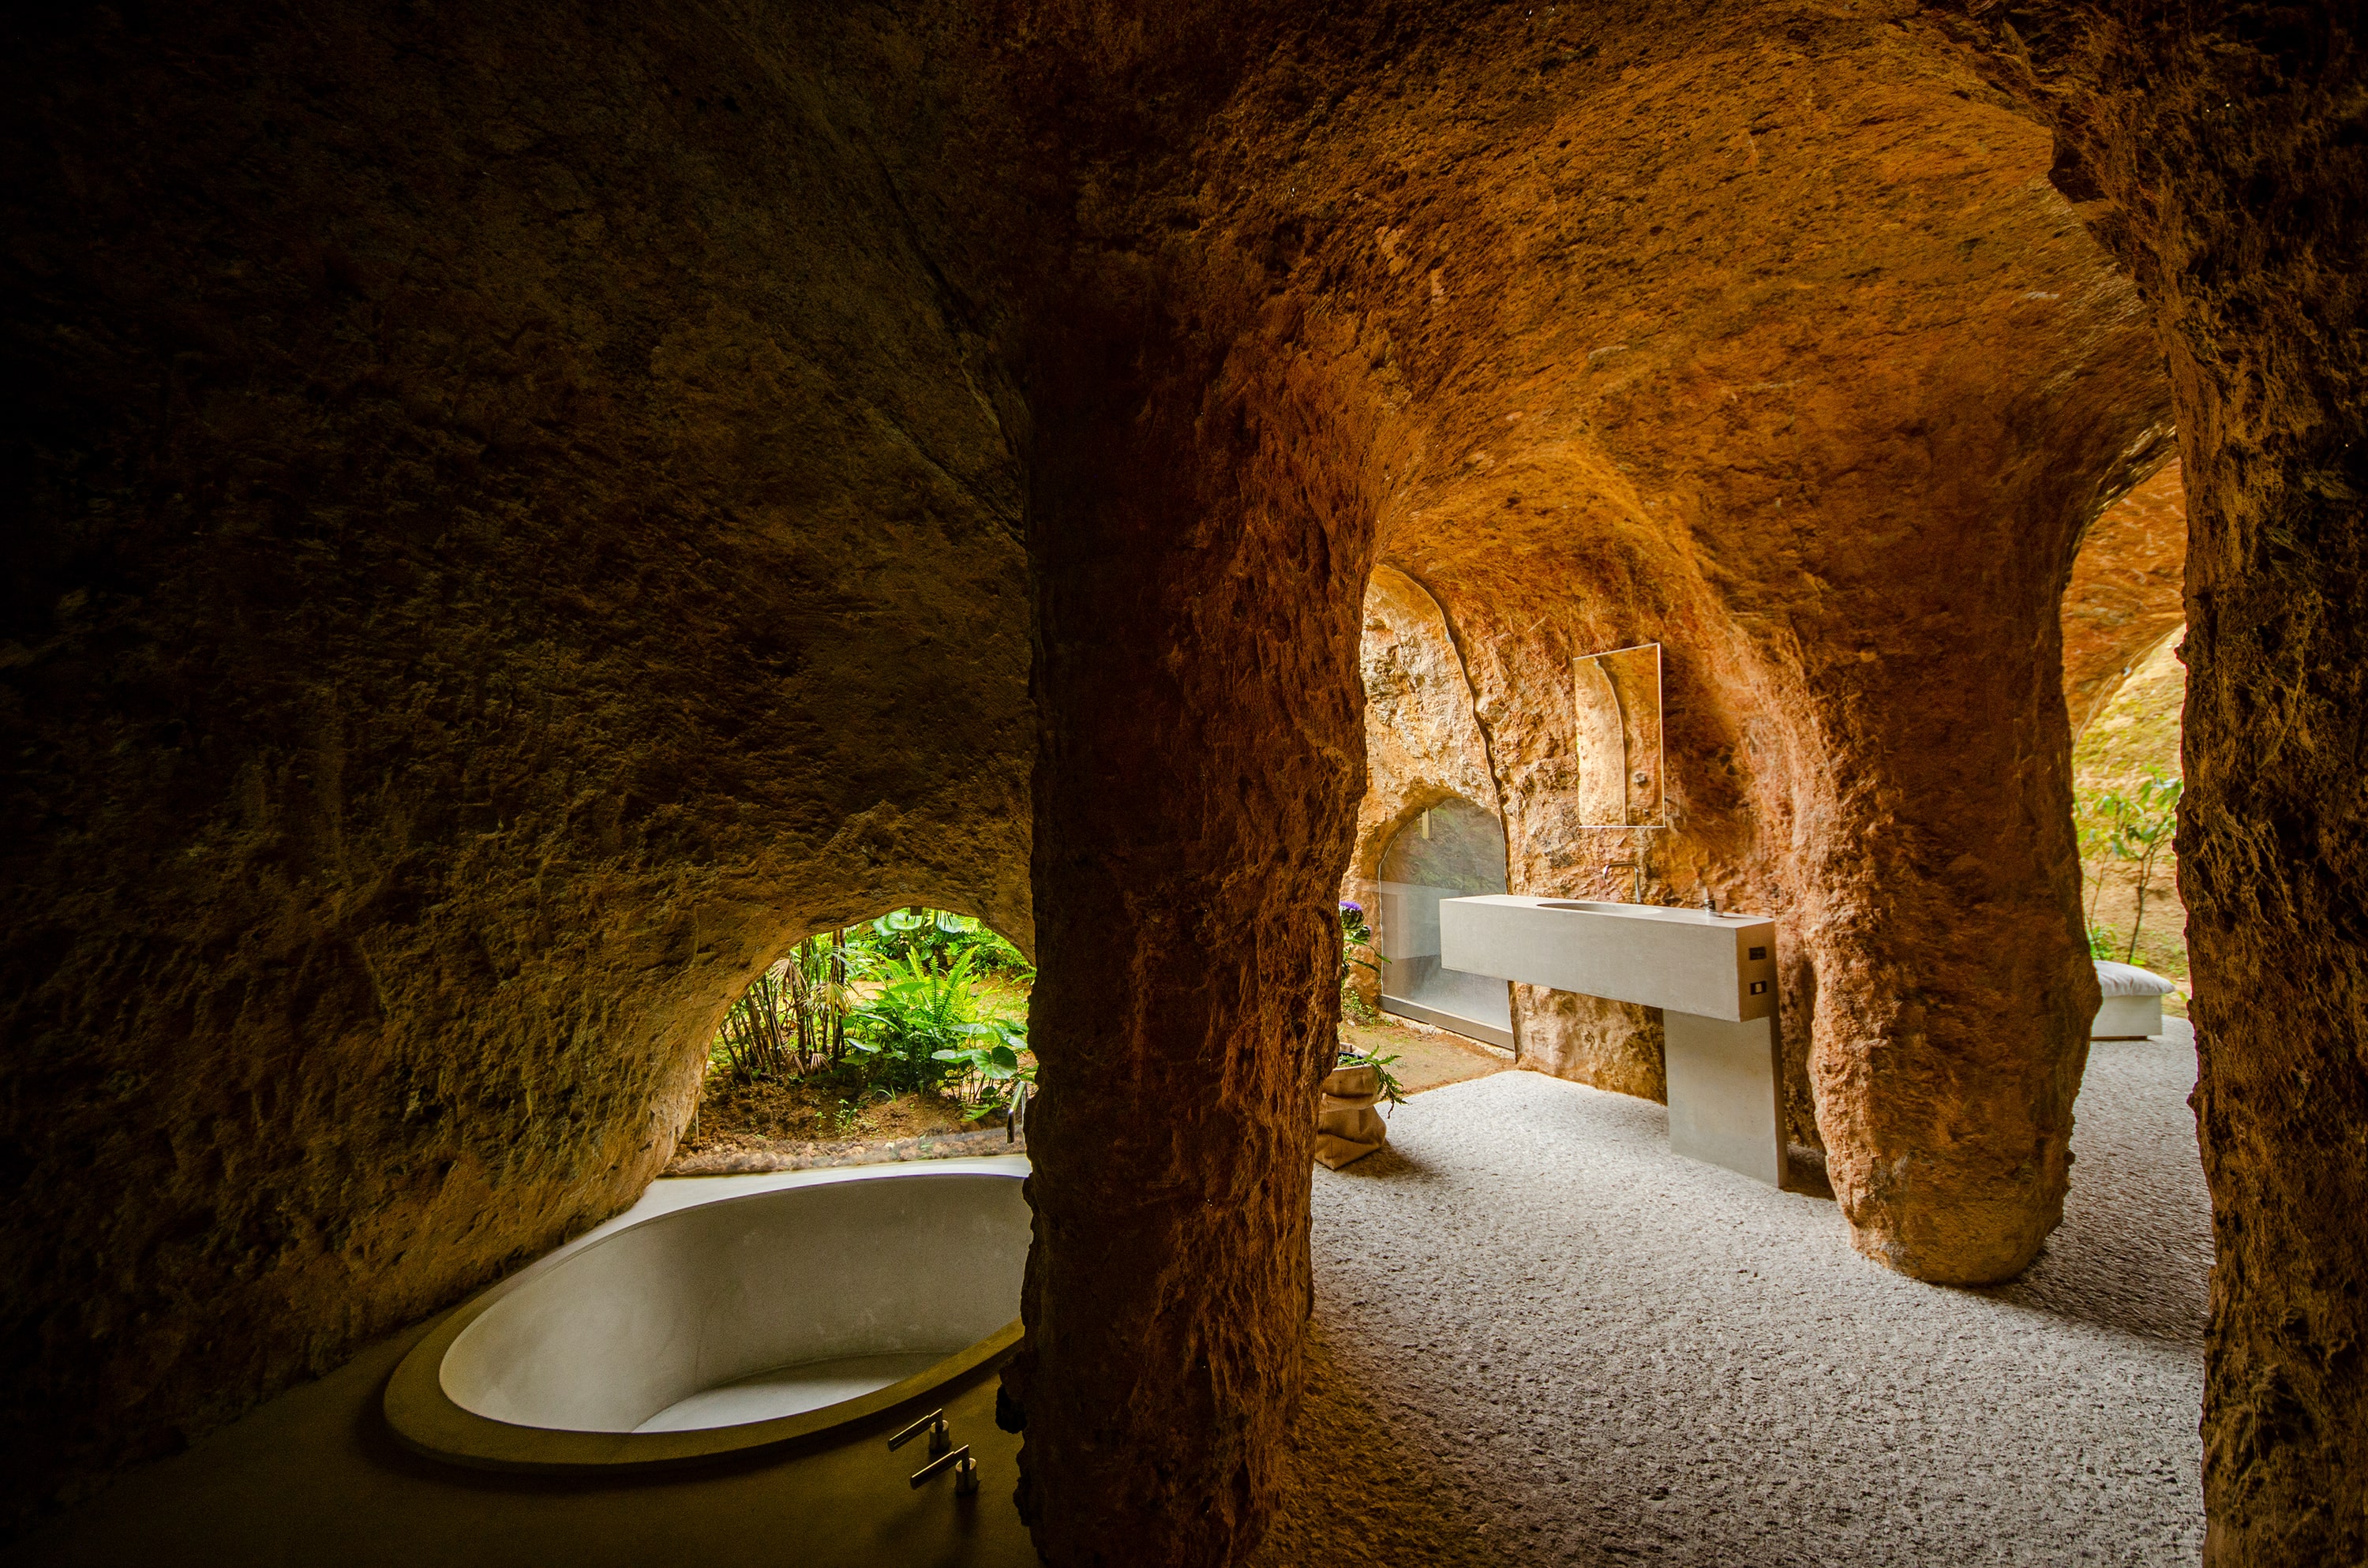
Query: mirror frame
point(1660, 808)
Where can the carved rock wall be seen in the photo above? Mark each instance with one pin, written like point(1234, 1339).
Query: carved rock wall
point(525, 516)
point(1422, 744)
point(508, 530)
point(1619, 315)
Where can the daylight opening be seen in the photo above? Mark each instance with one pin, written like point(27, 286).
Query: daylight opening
point(897, 1035)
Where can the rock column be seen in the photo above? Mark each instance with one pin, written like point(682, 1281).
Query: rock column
point(2226, 162)
point(1939, 908)
point(1198, 613)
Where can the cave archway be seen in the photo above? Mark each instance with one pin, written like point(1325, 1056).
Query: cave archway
point(2126, 590)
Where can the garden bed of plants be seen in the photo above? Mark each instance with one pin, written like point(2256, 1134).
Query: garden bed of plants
point(903, 1038)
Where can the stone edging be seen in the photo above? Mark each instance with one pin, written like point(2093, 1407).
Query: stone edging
point(789, 1155)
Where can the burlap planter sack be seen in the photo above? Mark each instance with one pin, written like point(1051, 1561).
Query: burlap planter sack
point(1347, 1128)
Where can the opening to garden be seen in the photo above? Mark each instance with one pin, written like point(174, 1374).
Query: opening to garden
point(910, 1028)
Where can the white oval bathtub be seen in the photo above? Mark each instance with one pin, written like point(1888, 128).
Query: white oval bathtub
point(764, 1319)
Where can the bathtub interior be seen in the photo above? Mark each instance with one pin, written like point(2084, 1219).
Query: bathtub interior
point(750, 1308)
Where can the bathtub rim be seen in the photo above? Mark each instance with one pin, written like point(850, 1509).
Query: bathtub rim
point(428, 1422)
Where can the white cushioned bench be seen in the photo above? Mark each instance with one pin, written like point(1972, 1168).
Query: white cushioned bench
point(2133, 1005)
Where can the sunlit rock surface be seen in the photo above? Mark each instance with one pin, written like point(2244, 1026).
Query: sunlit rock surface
point(1422, 743)
point(2127, 593)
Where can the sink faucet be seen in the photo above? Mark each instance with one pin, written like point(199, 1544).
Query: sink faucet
point(1710, 904)
point(1637, 895)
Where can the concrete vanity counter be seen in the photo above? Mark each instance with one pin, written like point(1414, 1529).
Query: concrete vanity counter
point(1713, 976)
point(1719, 966)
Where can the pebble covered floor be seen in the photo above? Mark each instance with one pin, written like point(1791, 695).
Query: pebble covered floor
point(1595, 1351)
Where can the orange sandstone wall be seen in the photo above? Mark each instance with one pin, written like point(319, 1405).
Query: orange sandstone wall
point(520, 517)
point(1771, 345)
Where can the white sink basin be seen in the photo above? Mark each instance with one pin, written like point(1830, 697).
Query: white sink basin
point(1688, 961)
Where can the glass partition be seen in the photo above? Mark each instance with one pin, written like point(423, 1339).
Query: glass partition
point(1452, 850)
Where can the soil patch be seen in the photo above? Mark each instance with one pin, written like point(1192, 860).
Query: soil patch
point(1426, 1057)
point(791, 1124)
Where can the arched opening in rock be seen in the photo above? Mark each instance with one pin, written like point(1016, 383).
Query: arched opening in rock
point(901, 1036)
point(2125, 593)
point(2124, 618)
point(2127, 775)
point(801, 1308)
point(1616, 737)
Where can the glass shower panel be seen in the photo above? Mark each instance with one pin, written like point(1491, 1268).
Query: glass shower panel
point(1452, 850)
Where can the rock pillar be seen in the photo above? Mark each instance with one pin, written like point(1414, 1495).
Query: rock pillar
point(1940, 908)
point(2217, 151)
point(2223, 161)
point(1198, 599)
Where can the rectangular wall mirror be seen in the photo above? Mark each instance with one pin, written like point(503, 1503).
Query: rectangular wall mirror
point(1617, 702)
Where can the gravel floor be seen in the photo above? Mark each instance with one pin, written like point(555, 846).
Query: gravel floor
point(1594, 1351)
